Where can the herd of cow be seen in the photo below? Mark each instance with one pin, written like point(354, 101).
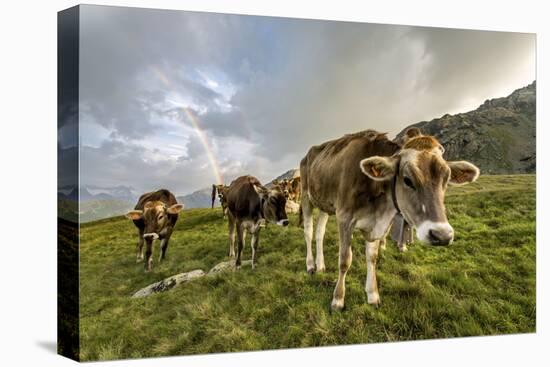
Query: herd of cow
point(366, 180)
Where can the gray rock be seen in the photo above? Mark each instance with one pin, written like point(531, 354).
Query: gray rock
point(168, 283)
point(228, 265)
point(175, 280)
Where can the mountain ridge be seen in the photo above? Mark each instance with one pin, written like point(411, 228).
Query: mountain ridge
point(499, 136)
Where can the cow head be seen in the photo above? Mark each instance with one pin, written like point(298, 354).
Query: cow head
point(421, 176)
point(273, 203)
point(282, 185)
point(289, 188)
point(157, 218)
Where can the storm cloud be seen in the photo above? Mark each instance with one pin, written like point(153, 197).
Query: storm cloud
point(159, 88)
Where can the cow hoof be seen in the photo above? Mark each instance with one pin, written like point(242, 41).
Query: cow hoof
point(337, 305)
point(138, 260)
point(321, 269)
point(373, 299)
point(311, 270)
point(403, 249)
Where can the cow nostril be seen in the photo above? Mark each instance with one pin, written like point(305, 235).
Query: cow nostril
point(440, 238)
point(285, 222)
point(152, 236)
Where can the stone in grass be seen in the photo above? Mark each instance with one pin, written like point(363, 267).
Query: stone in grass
point(168, 283)
point(228, 265)
point(175, 280)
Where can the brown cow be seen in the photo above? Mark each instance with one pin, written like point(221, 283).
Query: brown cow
point(222, 192)
point(291, 188)
point(365, 180)
point(401, 231)
point(154, 215)
point(249, 205)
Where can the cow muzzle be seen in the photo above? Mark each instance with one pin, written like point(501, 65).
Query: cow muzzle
point(436, 234)
point(283, 222)
point(151, 236)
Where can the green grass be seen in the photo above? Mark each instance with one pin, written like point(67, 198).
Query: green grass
point(484, 284)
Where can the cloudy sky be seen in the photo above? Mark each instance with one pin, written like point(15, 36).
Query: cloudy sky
point(182, 99)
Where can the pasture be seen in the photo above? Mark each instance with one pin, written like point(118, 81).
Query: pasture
point(483, 284)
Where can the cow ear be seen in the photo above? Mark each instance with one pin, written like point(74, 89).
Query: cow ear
point(462, 172)
point(378, 168)
point(260, 190)
point(134, 214)
point(175, 209)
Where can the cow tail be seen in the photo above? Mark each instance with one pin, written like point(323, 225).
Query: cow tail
point(300, 217)
point(213, 195)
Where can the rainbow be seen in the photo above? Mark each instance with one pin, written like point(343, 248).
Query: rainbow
point(205, 143)
point(197, 126)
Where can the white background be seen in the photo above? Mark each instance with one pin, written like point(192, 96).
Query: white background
point(28, 183)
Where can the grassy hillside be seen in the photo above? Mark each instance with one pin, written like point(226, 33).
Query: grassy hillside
point(484, 284)
point(96, 209)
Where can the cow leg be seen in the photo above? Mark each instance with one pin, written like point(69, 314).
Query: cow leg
point(344, 260)
point(161, 252)
point(254, 244)
point(139, 248)
point(383, 243)
point(240, 241)
point(163, 247)
point(371, 286)
point(307, 212)
point(319, 237)
point(148, 255)
point(231, 224)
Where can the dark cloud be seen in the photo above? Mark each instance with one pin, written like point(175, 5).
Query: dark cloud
point(264, 89)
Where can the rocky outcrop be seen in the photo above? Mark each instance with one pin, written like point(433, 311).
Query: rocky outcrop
point(499, 136)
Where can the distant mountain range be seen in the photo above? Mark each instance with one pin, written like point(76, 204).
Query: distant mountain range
point(499, 136)
point(199, 199)
point(96, 202)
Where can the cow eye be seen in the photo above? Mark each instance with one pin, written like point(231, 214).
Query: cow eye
point(408, 182)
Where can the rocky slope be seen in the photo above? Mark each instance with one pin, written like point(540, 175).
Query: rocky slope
point(499, 136)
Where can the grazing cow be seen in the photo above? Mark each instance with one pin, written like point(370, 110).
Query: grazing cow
point(365, 180)
point(154, 215)
point(222, 192)
point(249, 205)
point(292, 188)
